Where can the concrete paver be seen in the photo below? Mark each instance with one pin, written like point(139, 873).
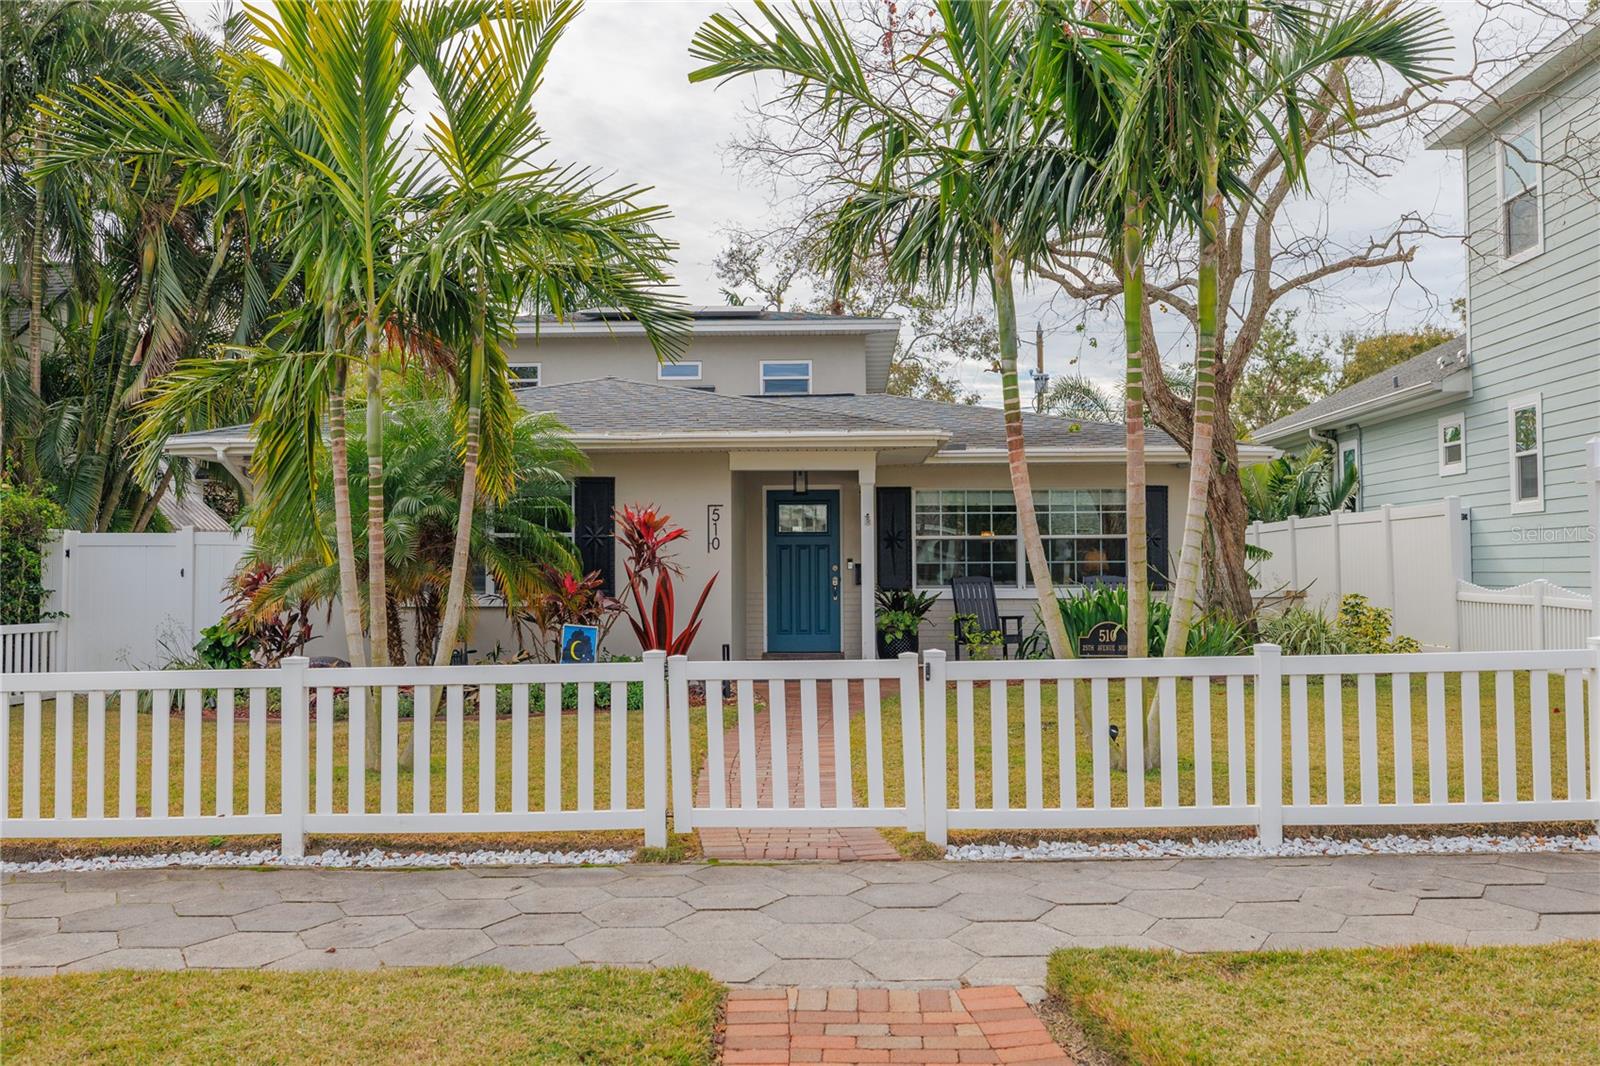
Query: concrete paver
point(901, 924)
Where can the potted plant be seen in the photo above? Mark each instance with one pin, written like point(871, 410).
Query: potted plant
point(900, 615)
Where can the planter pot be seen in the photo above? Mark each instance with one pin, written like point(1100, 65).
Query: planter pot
point(891, 649)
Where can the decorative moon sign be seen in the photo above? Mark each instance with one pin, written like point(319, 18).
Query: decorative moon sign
point(579, 644)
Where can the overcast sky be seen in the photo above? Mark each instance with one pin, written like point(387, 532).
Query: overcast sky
point(617, 97)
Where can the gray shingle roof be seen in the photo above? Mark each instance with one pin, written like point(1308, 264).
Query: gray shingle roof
point(971, 426)
point(618, 405)
point(1428, 370)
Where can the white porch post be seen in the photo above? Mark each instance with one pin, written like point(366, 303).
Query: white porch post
point(869, 560)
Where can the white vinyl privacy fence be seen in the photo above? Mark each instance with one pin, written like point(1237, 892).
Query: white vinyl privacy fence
point(1406, 559)
point(1262, 741)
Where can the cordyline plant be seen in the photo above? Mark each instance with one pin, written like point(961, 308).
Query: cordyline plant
point(563, 598)
point(645, 533)
point(276, 627)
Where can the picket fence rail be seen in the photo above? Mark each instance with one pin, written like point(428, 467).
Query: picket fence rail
point(1262, 740)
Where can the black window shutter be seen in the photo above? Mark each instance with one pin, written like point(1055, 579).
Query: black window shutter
point(1155, 534)
point(894, 538)
point(594, 530)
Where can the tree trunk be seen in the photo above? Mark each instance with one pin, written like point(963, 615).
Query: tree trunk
point(1201, 458)
point(36, 270)
point(343, 524)
point(1228, 517)
point(1133, 418)
point(122, 378)
point(377, 579)
point(455, 599)
point(1016, 453)
point(141, 521)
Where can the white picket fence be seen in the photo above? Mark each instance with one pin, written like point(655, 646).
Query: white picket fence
point(1534, 615)
point(30, 648)
point(1238, 743)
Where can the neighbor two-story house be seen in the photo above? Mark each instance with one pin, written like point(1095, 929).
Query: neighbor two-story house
point(804, 485)
point(1500, 416)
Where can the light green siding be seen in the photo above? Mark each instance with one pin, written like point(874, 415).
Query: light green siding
point(1533, 330)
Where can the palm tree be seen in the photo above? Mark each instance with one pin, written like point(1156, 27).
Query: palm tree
point(1214, 77)
point(957, 199)
point(1303, 486)
point(507, 233)
point(422, 483)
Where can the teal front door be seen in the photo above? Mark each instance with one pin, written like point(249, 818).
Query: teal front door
point(803, 579)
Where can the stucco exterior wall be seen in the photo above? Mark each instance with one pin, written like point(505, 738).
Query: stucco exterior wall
point(730, 364)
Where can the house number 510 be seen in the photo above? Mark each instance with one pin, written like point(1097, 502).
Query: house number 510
point(714, 526)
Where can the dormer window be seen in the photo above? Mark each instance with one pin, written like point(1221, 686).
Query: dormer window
point(1521, 229)
point(786, 378)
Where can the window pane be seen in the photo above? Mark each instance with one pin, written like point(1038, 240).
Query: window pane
point(785, 370)
point(524, 377)
point(1527, 477)
point(802, 518)
point(1452, 433)
point(1452, 454)
point(786, 387)
point(681, 371)
point(1526, 425)
point(1519, 156)
point(1522, 222)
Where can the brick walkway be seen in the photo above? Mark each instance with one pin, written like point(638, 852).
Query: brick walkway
point(878, 1025)
point(764, 845)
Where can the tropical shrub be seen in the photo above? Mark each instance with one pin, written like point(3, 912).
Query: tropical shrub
point(901, 611)
point(562, 599)
point(25, 523)
point(273, 627)
point(1367, 630)
point(1300, 631)
point(1302, 486)
point(1212, 633)
point(645, 533)
point(224, 646)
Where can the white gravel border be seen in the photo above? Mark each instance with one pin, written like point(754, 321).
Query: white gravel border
point(1251, 848)
point(376, 859)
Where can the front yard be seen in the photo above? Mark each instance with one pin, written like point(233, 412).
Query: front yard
point(435, 1015)
point(1535, 1005)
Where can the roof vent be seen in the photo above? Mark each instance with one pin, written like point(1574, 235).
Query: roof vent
point(1396, 381)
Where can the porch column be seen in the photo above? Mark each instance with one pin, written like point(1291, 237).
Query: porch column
point(869, 562)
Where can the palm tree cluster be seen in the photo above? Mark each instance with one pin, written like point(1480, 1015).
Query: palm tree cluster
point(1039, 120)
point(247, 230)
point(1307, 485)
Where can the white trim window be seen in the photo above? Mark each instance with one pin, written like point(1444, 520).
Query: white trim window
point(1452, 445)
point(683, 370)
point(786, 377)
point(1350, 460)
point(973, 532)
point(1525, 437)
point(1520, 183)
point(525, 375)
point(481, 583)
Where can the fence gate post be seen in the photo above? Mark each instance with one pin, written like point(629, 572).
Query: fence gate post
point(655, 752)
point(1594, 716)
point(911, 738)
point(292, 705)
point(1269, 745)
point(1539, 586)
point(935, 786)
point(678, 728)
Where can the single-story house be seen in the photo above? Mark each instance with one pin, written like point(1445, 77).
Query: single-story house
point(805, 486)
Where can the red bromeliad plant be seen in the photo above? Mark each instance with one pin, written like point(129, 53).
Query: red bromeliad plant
point(563, 599)
point(645, 532)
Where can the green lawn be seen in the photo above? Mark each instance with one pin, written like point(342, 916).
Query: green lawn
point(983, 760)
point(1535, 1005)
point(435, 1015)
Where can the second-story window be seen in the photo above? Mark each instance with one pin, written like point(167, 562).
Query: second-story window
point(524, 375)
point(1520, 224)
point(679, 371)
point(786, 379)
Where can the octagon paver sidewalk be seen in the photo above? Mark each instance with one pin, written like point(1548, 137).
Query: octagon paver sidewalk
point(896, 925)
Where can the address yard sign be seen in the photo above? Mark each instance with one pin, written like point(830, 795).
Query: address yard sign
point(1105, 640)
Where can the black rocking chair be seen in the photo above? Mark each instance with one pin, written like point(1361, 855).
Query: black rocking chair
point(974, 598)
